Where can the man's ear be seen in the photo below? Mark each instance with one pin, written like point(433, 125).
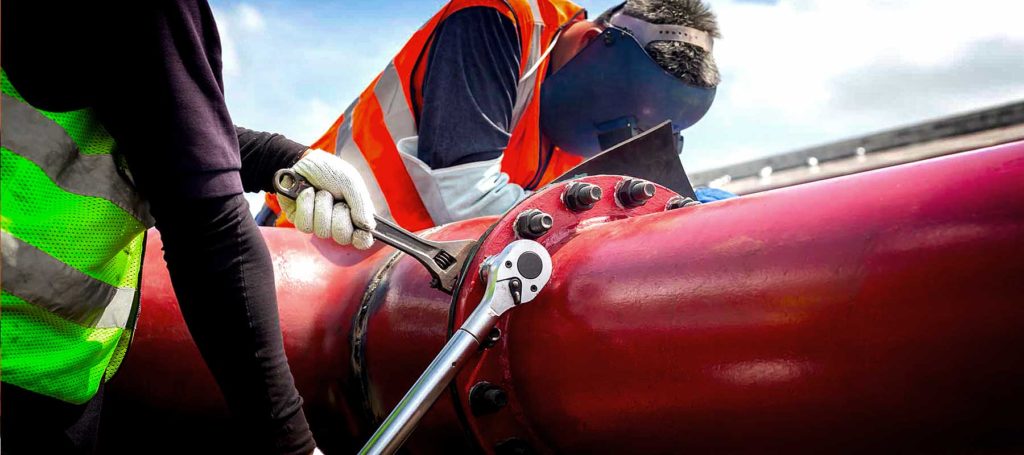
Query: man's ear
point(591, 33)
point(573, 40)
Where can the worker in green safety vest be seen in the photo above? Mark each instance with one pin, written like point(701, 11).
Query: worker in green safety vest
point(111, 126)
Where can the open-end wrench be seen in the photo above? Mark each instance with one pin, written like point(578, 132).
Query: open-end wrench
point(444, 260)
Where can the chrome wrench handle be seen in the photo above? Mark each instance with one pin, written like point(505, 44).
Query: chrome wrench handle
point(514, 277)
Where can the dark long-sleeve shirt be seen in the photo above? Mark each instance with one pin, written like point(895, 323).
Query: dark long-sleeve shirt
point(469, 89)
point(263, 154)
point(152, 73)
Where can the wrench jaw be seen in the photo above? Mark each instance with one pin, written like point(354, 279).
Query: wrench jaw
point(454, 254)
point(444, 260)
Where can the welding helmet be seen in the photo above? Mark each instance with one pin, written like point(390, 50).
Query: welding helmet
point(613, 83)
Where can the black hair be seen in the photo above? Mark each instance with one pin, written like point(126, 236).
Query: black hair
point(690, 63)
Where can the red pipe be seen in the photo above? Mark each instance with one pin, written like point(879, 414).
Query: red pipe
point(164, 388)
point(880, 311)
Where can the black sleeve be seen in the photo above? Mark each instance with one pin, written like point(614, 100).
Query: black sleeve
point(262, 155)
point(469, 89)
point(163, 99)
point(165, 107)
point(223, 277)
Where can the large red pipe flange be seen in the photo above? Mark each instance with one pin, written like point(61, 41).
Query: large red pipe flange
point(407, 325)
point(491, 410)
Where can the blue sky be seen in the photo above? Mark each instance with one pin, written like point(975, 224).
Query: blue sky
point(795, 72)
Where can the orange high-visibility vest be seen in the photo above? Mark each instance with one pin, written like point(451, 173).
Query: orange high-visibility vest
point(366, 135)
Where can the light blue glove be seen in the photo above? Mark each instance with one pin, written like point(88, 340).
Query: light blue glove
point(705, 195)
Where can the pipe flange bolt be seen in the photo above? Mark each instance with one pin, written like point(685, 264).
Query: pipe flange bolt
point(581, 196)
point(678, 202)
point(487, 398)
point(533, 223)
point(634, 192)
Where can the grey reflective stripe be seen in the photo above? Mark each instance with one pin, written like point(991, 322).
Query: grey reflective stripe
point(528, 84)
point(29, 134)
point(345, 129)
point(394, 107)
point(119, 311)
point(347, 149)
point(535, 9)
point(46, 282)
point(398, 118)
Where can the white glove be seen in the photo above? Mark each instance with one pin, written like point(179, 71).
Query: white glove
point(339, 207)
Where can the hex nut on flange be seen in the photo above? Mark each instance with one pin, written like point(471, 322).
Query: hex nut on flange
point(678, 202)
point(581, 196)
point(634, 192)
point(487, 398)
point(533, 223)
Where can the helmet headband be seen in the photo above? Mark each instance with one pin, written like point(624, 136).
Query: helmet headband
point(646, 32)
point(612, 82)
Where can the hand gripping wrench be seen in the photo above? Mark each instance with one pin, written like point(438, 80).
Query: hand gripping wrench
point(444, 260)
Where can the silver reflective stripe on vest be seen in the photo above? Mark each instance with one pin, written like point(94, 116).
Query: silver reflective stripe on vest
point(527, 84)
point(36, 138)
point(400, 121)
point(401, 126)
point(395, 108)
point(347, 150)
point(42, 280)
point(535, 9)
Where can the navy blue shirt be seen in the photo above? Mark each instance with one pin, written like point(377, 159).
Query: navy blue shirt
point(469, 89)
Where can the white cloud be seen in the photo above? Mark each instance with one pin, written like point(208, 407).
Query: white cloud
point(823, 69)
point(789, 57)
point(795, 73)
point(228, 51)
point(293, 70)
point(250, 18)
point(317, 116)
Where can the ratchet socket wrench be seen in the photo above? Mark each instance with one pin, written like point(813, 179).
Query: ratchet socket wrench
point(513, 277)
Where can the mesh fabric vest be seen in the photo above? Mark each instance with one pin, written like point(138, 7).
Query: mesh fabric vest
point(73, 231)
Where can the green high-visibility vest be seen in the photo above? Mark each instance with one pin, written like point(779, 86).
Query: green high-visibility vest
point(73, 231)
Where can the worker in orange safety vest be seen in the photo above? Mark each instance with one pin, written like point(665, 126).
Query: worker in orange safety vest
point(492, 99)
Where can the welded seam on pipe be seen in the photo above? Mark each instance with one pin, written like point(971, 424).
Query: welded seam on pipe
point(371, 300)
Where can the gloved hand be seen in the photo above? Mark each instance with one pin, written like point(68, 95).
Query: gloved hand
point(339, 207)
